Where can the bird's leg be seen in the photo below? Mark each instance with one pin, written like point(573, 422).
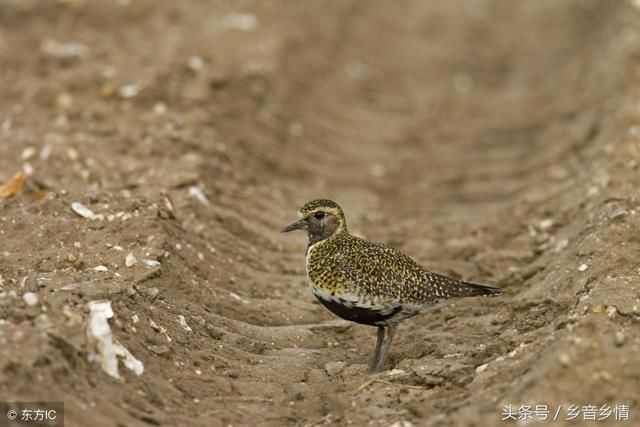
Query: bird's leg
point(380, 362)
point(379, 340)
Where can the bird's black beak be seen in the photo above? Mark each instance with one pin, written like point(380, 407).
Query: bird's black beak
point(298, 225)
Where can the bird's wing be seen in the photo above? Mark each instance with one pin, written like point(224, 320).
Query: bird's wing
point(383, 272)
point(388, 273)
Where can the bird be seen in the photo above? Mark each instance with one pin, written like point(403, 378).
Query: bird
point(371, 283)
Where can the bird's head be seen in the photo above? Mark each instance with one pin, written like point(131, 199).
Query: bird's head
point(321, 219)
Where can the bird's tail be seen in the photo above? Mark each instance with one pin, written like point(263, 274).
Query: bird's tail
point(474, 290)
point(455, 288)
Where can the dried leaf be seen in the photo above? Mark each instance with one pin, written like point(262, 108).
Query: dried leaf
point(14, 186)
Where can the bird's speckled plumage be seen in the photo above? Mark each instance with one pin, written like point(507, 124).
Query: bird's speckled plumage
point(366, 282)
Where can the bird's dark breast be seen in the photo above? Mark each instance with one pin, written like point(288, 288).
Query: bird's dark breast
point(365, 316)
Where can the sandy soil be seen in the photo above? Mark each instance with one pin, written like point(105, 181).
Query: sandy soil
point(496, 141)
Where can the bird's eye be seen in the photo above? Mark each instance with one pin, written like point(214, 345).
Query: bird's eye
point(319, 215)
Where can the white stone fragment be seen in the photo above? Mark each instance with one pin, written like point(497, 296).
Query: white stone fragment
point(151, 262)
point(27, 153)
point(583, 267)
point(129, 91)
point(100, 268)
point(160, 108)
point(396, 373)
point(545, 224)
point(103, 348)
point(198, 194)
point(130, 260)
point(183, 323)
point(238, 298)
point(30, 298)
point(482, 368)
point(45, 153)
point(561, 245)
point(195, 63)
point(84, 211)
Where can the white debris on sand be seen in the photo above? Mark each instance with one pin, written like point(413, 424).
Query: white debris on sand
point(130, 260)
point(100, 268)
point(198, 194)
point(30, 298)
point(151, 262)
point(396, 373)
point(84, 211)
point(129, 91)
point(238, 298)
point(68, 50)
point(160, 329)
point(545, 224)
point(583, 267)
point(482, 368)
point(183, 323)
point(195, 63)
point(563, 243)
point(103, 348)
point(241, 21)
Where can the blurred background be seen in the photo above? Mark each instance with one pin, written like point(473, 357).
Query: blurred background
point(151, 151)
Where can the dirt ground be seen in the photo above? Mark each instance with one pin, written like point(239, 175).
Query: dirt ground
point(495, 141)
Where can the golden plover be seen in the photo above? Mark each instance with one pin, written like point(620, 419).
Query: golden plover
point(370, 283)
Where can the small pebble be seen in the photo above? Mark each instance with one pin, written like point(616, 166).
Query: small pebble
point(27, 153)
point(100, 268)
point(482, 368)
point(561, 245)
point(130, 260)
point(334, 368)
point(45, 153)
point(195, 63)
point(64, 100)
point(564, 359)
point(30, 298)
point(159, 108)
point(545, 224)
point(129, 91)
point(616, 212)
point(183, 323)
point(583, 267)
point(151, 262)
point(160, 350)
point(620, 339)
point(84, 211)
